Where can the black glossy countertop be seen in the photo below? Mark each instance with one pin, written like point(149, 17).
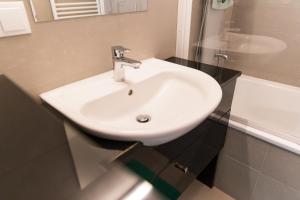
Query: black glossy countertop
point(38, 150)
point(221, 75)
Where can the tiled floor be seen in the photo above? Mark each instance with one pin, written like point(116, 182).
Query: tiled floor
point(198, 191)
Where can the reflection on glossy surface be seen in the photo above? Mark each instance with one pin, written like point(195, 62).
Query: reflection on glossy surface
point(91, 156)
point(48, 10)
point(120, 184)
point(122, 6)
point(278, 20)
point(244, 43)
point(98, 172)
point(139, 192)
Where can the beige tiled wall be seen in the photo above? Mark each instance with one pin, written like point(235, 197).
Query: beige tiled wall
point(277, 19)
point(250, 169)
point(57, 53)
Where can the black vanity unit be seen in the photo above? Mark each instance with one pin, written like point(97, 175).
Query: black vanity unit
point(35, 160)
point(43, 155)
point(195, 154)
point(39, 156)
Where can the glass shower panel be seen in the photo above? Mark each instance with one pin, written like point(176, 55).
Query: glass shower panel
point(212, 39)
point(260, 37)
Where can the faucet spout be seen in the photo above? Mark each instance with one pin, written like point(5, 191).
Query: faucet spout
point(119, 62)
point(130, 62)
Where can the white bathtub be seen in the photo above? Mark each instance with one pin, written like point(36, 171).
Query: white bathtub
point(267, 110)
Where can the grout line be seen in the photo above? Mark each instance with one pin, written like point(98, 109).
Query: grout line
point(259, 174)
point(240, 162)
point(248, 167)
point(265, 158)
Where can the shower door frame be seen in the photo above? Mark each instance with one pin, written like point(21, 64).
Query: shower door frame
point(184, 20)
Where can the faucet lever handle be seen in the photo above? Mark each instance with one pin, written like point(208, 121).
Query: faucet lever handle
point(118, 51)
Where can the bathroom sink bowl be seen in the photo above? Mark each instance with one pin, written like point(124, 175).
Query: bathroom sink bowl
point(157, 103)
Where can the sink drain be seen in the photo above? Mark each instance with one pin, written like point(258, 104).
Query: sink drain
point(143, 118)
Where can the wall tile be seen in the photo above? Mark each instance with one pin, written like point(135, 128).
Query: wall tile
point(284, 166)
point(291, 194)
point(234, 178)
point(245, 149)
point(277, 179)
point(197, 191)
point(268, 189)
point(61, 52)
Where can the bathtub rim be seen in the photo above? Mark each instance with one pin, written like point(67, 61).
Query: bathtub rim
point(269, 83)
point(266, 137)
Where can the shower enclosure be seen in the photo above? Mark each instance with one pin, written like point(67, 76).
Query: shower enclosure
point(261, 38)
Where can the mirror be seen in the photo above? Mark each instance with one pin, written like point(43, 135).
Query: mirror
point(49, 10)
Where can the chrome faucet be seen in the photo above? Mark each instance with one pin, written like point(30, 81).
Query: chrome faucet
point(221, 55)
point(119, 62)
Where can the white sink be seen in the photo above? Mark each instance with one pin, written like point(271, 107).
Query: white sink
point(177, 99)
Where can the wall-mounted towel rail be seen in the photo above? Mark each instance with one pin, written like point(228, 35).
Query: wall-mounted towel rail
point(75, 9)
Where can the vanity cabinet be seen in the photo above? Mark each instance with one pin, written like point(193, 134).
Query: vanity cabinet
point(181, 161)
point(195, 154)
point(62, 161)
point(210, 141)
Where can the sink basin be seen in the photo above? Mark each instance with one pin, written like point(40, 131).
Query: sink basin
point(157, 103)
